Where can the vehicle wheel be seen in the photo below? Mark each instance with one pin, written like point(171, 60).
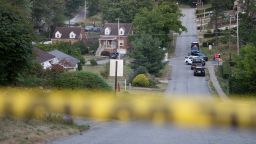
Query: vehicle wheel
point(194, 74)
point(186, 62)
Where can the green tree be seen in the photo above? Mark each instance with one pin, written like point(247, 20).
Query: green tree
point(47, 14)
point(93, 7)
point(15, 43)
point(247, 26)
point(243, 78)
point(123, 9)
point(72, 6)
point(159, 21)
point(147, 52)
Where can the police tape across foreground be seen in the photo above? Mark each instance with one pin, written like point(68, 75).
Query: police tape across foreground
point(28, 103)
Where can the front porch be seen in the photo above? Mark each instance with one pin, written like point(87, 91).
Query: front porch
point(107, 44)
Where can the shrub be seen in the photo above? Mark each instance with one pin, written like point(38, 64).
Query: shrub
point(139, 70)
point(141, 80)
point(30, 81)
point(93, 62)
point(80, 79)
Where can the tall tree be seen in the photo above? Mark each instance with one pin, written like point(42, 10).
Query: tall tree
point(243, 78)
point(93, 7)
point(159, 21)
point(47, 14)
point(148, 53)
point(247, 26)
point(15, 44)
point(72, 6)
point(123, 9)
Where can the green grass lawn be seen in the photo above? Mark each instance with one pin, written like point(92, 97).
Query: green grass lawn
point(127, 71)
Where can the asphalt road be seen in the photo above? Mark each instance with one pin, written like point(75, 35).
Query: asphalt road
point(146, 133)
point(183, 82)
point(78, 18)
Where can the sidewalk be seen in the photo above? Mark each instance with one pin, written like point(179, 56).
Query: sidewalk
point(215, 82)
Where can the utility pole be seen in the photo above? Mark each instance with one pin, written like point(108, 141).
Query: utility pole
point(229, 47)
point(201, 4)
point(118, 26)
point(85, 9)
point(237, 32)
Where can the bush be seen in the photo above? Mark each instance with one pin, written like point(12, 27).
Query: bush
point(80, 79)
point(30, 81)
point(139, 70)
point(93, 62)
point(141, 80)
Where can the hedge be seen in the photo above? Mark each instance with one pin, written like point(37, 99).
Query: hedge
point(80, 79)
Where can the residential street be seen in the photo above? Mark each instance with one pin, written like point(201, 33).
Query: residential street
point(183, 83)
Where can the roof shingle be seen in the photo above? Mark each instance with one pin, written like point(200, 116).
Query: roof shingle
point(114, 28)
point(65, 31)
point(42, 56)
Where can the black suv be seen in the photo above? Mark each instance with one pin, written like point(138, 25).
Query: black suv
point(199, 71)
point(197, 62)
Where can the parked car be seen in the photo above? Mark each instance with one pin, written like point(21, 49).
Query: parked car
point(199, 71)
point(197, 62)
point(96, 29)
point(201, 55)
point(194, 52)
point(188, 59)
point(89, 28)
point(114, 55)
point(195, 46)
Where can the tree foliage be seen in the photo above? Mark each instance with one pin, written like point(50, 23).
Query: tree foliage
point(244, 75)
point(147, 52)
point(72, 6)
point(15, 43)
point(123, 9)
point(47, 14)
point(159, 21)
point(247, 26)
point(93, 7)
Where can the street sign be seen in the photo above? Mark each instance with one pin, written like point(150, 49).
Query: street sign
point(112, 67)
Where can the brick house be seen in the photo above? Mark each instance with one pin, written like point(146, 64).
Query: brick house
point(114, 37)
point(69, 34)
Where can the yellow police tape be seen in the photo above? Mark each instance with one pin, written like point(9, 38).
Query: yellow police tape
point(26, 103)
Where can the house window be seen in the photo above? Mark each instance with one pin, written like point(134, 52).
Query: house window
point(107, 31)
point(72, 35)
point(121, 42)
point(58, 34)
point(121, 31)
